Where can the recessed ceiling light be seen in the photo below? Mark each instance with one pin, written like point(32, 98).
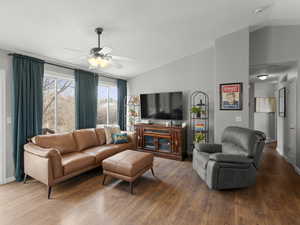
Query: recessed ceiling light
point(261, 9)
point(262, 76)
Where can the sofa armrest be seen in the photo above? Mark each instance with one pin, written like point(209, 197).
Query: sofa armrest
point(230, 158)
point(131, 137)
point(41, 152)
point(43, 164)
point(209, 148)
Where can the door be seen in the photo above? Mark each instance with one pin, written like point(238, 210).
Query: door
point(290, 125)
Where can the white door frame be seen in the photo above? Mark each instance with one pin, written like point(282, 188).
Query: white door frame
point(2, 127)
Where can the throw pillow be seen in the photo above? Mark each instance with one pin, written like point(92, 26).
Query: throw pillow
point(108, 135)
point(120, 138)
point(109, 131)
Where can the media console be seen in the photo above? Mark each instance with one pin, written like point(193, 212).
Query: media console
point(164, 141)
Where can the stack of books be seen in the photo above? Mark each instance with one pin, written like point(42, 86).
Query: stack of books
point(200, 127)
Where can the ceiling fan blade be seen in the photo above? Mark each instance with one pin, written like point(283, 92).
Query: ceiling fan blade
point(81, 57)
point(73, 50)
point(116, 64)
point(105, 50)
point(122, 58)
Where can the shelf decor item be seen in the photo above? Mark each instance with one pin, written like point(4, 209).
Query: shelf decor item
point(133, 111)
point(231, 96)
point(199, 117)
point(282, 102)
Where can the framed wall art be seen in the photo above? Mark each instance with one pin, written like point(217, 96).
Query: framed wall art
point(231, 96)
point(282, 102)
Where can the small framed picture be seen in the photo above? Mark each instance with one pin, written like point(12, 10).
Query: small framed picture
point(282, 102)
point(231, 96)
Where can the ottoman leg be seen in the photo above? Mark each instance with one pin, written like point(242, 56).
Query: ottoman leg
point(152, 171)
point(103, 181)
point(131, 187)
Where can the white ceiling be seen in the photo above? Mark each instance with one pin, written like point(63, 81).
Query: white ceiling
point(151, 32)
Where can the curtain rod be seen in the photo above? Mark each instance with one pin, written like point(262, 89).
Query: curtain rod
point(67, 67)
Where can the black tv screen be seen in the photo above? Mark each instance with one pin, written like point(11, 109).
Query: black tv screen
point(164, 106)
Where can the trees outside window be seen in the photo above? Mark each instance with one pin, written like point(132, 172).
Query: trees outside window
point(59, 104)
point(107, 104)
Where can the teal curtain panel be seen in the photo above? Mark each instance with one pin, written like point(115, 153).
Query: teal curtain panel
point(86, 90)
point(27, 105)
point(122, 110)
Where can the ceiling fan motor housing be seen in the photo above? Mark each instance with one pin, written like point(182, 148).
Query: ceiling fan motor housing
point(96, 51)
point(99, 30)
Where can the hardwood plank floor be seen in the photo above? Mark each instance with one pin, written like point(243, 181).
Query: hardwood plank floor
point(176, 196)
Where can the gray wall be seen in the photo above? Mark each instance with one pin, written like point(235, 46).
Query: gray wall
point(232, 65)
point(276, 45)
point(265, 122)
point(188, 74)
point(6, 65)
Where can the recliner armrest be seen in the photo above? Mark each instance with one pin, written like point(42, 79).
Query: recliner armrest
point(230, 158)
point(209, 148)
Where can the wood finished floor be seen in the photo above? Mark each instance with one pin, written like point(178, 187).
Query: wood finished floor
point(177, 196)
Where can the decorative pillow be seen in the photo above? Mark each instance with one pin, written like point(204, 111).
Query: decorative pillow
point(108, 135)
point(109, 131)
point(120, 138)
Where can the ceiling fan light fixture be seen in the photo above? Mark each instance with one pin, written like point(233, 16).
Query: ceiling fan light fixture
point(263, 76)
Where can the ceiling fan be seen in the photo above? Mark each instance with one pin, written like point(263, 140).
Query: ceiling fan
point(100, 57)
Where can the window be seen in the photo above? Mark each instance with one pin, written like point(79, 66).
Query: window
point(59, 104)
point(107, 104)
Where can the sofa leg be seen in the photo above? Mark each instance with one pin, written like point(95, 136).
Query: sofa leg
point(25, 178)
point(152, 171)
point(49, 191)
point(131, 187)
point(103, 181)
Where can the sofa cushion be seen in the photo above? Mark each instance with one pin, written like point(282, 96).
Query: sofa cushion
point(100, 132)
point(75, 161)
point(86, 138)
point(64, 142)
point(105, 151)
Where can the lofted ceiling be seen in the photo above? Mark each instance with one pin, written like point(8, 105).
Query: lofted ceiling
point(151, 33)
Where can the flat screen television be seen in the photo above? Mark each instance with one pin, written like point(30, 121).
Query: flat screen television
point(163, 106)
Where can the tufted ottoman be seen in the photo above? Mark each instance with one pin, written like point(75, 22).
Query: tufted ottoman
point(128, 165)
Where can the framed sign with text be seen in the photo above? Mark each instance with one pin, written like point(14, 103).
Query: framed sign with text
point(231, 96)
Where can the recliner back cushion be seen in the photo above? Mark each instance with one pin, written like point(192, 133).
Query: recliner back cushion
point(245, 139)
point(64, 142)
point(100, 132)
point(85, 138)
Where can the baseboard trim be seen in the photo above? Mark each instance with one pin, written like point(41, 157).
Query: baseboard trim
point(9, 180)
point(297, 170)
point(279, 152)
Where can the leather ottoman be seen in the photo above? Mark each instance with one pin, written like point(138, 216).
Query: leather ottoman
point(128, 165)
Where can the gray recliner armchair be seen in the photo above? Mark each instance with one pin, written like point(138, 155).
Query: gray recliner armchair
point(233, 163)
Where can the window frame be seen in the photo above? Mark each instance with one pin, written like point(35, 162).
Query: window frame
point(107, 85)
point(58, 77)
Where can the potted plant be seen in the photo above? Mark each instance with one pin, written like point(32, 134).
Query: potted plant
point(199, 139)
point(196, 110)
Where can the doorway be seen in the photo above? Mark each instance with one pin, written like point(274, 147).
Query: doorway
point(2, 127)
point(265, 83)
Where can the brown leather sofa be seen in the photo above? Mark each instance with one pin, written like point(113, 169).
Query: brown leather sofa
point(54, 158)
